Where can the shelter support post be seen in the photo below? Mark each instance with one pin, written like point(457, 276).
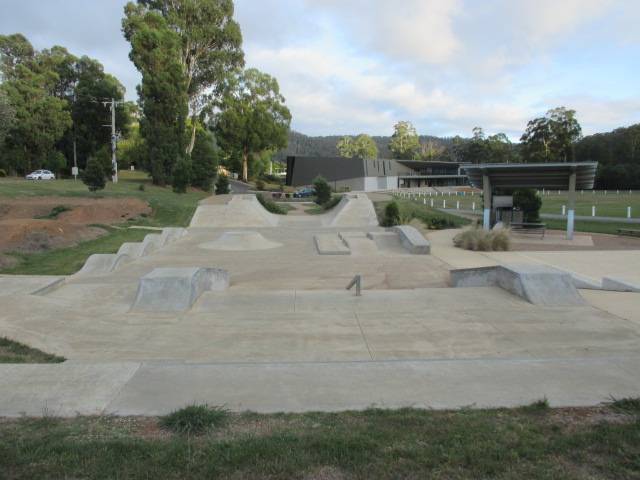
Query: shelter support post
point(572, 203)
point(486, 187)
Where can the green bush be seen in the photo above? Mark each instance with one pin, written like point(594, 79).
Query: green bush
point(180, 176)
point(222, 184)
point(260, 184)
point(323, 190)
point(477, 239)
point(391, 214)
point(3, 173)
point(530, 203)
point(94, 175)
point(335, 200)
point(270, 206)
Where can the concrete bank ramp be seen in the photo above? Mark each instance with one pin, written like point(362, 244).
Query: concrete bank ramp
point(354, 210)
point(101, 263)
point(541, 285)
point(177, 289)
point(242, 211)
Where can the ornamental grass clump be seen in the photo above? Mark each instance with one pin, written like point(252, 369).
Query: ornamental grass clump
point(194, 419)
point(476, 239)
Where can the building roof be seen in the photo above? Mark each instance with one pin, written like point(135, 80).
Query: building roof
point(533, 175)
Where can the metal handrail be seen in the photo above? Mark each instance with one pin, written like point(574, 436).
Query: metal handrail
point(356, 282)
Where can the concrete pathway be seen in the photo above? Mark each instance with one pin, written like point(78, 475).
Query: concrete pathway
point(287, 336)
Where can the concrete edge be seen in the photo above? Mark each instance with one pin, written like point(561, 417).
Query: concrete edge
point(412, 240)
point(619, 285)
point(53, 286)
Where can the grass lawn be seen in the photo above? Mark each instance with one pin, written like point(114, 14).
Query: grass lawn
point(609, 205)
point(532, 442)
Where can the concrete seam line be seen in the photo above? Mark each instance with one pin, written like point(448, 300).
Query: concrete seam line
point(117, 393)
point(355, 314)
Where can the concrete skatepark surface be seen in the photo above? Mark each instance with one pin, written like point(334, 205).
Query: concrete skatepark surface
point(287, 336)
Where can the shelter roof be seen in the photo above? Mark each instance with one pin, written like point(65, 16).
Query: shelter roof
point(533, 175)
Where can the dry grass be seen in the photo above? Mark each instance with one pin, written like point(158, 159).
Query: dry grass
point(476, 239)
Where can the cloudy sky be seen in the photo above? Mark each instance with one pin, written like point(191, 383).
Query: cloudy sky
point(360, 66)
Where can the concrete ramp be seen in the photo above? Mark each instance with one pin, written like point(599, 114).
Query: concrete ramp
point(538, 284)
point(244, 240)
point(354, 210)
point(242, 211)
point(177, 289)
point(101, 263)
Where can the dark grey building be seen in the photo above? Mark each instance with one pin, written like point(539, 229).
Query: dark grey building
point(368, 174)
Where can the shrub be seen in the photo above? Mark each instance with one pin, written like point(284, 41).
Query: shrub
point(94, 175)
point(222, 184)
point(270, 206)
point(335, 200)
point(530, 202)
point(476, 239)
point(194, 419)
point(3, 173)
point(323, 190)
point(180, 176)
point(141, 187)
point(260, 184)
point(391, 214)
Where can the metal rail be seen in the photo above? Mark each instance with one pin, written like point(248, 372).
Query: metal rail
point(356, 282)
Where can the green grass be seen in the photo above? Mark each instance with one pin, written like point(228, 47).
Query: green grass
point(196, 419)
point(536, 443)
point(15, 352)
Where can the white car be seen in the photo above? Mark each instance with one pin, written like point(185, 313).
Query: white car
point(41, 175)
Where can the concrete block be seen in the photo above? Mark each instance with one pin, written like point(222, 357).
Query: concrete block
point(538, 284)
point(619, 285)
point(475, 277)
point(331, 244)
point(177, 289)
point(412, 240)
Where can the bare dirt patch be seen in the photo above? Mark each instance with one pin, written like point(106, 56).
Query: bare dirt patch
point(21, 231)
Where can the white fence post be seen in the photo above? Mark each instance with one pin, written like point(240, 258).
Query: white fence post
point(593, 211)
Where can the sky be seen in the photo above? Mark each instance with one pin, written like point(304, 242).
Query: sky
point(362, 66)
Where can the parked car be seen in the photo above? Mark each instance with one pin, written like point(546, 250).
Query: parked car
point(305, 192)
point(41, 175)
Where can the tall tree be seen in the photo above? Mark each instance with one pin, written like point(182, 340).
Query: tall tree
point(405, 142)
point(156, 53)
point(209, 46)
point(552, 138)
point(253, 118)
point(363, 146)
point(40, 117)
point(7, 115)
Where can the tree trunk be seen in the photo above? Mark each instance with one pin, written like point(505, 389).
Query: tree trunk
point(193, 136)
point(245, 168)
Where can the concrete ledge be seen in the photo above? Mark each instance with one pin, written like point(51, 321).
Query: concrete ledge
point(412, 240)
point(171, 234)
point(177, 289)
point(100, 263)
point(538, 284)
point(331, 244)
point(619, 285)
point(585, 283)
point(56, 284)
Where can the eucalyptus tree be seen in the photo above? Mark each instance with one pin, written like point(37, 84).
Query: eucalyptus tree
point(363, 146)
point(7, 115)
point(251, 117)
point(208, 48)
point(405, 142)
point(552, 138)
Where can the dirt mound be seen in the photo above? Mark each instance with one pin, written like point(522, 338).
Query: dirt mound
point(21, 231)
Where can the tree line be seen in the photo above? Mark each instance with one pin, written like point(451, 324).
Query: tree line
point(197, 103)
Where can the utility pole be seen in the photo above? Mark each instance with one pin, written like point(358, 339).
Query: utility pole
point(114, 162)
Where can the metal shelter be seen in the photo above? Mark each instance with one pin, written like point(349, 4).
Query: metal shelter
point(555, 176)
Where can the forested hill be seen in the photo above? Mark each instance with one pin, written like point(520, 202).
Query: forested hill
point(303, 145)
